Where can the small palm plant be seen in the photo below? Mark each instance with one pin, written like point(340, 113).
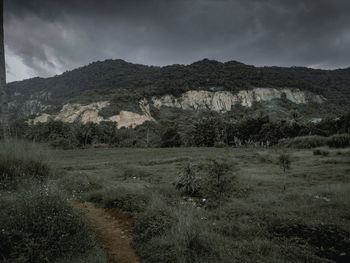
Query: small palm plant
point(188, 181)
point(284, 161)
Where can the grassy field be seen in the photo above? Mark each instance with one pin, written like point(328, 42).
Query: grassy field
point(37, 220)
point(267, 215)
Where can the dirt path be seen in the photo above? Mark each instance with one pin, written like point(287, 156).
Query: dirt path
point(113, 231)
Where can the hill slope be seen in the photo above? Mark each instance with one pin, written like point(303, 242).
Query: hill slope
point(126, 86)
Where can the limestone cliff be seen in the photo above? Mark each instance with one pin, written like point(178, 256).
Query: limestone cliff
point(223, 101)
point(219, 101)
point(129, 119)
point(90, 113)
point(85, 113)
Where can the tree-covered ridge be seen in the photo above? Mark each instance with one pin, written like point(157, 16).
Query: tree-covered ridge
point(118, 76)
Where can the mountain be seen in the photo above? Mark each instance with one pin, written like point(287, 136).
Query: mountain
point(131, 93)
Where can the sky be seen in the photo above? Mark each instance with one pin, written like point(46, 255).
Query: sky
point(47, 37)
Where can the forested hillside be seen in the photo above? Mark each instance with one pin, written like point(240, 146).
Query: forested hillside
point(101, 78)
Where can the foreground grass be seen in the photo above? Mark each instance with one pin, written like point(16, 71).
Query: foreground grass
point(258, 222)
point(37, 223)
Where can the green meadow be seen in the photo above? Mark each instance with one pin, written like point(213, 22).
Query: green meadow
point(262, 215)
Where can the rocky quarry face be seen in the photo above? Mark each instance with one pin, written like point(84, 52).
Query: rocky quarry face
point(223, 101)
point(220, 101)
point(90, 113)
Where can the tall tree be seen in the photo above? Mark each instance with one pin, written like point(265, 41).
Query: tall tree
point(3, 93)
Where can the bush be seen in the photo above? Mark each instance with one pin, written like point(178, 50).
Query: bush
point(218, 182)
point(13, 170)
point(220, 145)
point(130, 198)
point(19, 161)
point(339, 141)
point(62, 143)
point(307, 142)
point(154, 222)
point(264, 158)
point(193, 244)
point(284, 161)
point(79, 183)
point(188, 240)
point(304, 142)
point(321, 152)
point(39, 226)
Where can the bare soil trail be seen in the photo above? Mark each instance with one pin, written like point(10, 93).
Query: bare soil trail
point(113, 230)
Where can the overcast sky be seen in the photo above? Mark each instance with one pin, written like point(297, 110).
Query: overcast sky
point(47, 37)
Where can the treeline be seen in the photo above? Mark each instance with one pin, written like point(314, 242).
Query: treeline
point(216, 130)
point(205, 130)
point(77, 135)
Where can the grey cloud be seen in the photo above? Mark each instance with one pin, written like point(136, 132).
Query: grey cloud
point(56, 35)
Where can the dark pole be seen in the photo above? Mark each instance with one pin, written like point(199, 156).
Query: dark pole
point(3, 93)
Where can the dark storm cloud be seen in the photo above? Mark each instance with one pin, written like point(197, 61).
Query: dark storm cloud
point(51, 36)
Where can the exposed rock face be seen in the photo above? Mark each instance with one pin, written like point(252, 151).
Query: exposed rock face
point(42, 119)
point(219, 101)
point(89, 113)
point(222, 101)
point(129, 119)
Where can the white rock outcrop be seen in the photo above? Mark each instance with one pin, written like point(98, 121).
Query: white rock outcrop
point(219, 101)
point(129, 119)
point(90, 113)
point(85, 113)
point(41, 119)
point(223, 101)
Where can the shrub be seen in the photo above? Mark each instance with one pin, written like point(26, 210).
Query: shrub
point(218, 182)
point(304, 142)
point(188, 240)
point(193, 244)
point(321, 152)
point(284, 161)
point(339, 141)
point(130, 198)
point(13, 170)
point(96, 255)
point(188, 182)
point(154, 222)
point(62, 143)
point(40, 226)
point(19, 161)
point(307, 142)
point(220, 145)
point(264, 158)
point(79, 183)
point(133, 173)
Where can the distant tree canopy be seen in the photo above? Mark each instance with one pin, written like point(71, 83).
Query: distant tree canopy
point(208, 129)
